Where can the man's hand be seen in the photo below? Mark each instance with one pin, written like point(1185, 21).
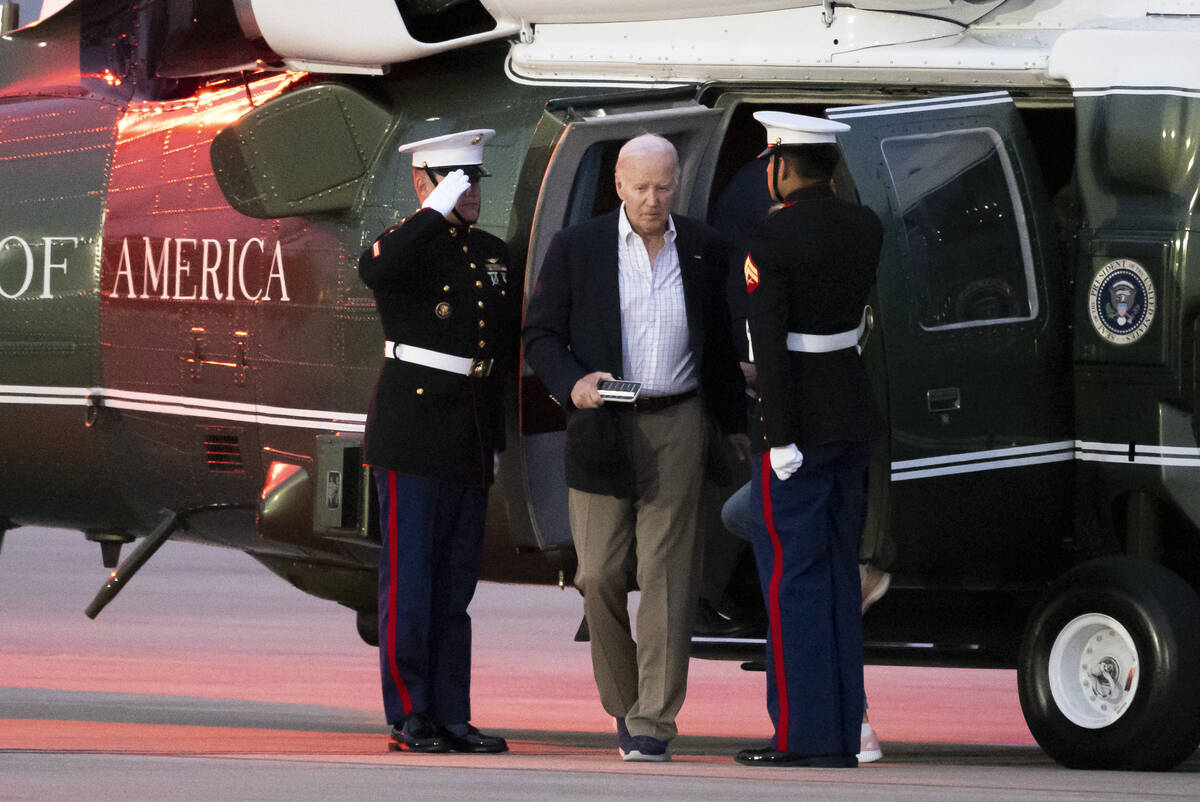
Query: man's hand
point(445, 195)
point(786, 460)
point(741, 446)
point(584, 394)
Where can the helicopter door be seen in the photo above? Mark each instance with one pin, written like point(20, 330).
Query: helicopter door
point(578, 185)
point(974, 334)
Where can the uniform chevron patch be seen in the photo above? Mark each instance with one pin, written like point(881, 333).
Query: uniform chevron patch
point(751, 270)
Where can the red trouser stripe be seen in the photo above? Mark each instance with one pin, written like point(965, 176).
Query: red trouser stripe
point(774, 612)
point(393, 613)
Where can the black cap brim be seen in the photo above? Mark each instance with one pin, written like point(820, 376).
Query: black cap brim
point(472, 171)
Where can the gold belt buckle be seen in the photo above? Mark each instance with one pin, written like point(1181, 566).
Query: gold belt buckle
point(480, 368)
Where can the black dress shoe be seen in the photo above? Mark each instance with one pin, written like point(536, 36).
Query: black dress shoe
point(770, 756)
point(419, 734)
point(710, 623)
point(475, 741)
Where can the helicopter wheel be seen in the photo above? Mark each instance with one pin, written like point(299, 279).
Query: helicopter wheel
point(1109, 665)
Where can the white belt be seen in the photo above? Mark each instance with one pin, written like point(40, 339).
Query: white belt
point(462, 365)
point(824, 343)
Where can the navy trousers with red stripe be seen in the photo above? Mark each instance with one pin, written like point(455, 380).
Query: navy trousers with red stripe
point(432, 534)
point(806, 534)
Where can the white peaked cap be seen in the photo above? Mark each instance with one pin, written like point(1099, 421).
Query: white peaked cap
point(449, 150)
point(785, 128)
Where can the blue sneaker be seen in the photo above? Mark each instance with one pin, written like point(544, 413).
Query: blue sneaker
point(645, 749)
point(624, 739)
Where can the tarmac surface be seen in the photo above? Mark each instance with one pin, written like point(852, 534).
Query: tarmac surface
point(210, 678)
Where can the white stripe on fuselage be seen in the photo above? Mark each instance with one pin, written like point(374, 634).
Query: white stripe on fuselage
point(329, 420)
point(1043, 453)
point(186, 406)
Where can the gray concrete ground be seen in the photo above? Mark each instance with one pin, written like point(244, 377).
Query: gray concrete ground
point(209, 678)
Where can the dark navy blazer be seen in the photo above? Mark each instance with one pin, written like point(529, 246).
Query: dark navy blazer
point(573, 320)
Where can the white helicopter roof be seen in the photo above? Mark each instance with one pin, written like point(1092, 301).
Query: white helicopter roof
point(1101, 43)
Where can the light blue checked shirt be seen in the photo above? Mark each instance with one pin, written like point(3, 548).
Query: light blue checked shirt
point(654, 326)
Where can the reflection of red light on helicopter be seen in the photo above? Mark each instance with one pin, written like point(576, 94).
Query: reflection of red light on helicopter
point(209, 106)
point(277, 474)
point(108, 76)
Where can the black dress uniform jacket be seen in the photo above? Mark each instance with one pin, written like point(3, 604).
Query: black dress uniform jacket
point(573, 327)
point(814, 262)
point(445, 288)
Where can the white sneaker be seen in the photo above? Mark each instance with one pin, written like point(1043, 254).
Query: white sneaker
point(868, 745)
point(874, 584)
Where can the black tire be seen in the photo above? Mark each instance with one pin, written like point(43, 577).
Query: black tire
point(1160, 613)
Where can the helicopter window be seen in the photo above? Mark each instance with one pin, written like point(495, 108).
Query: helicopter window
point(593, 192)
point(965, 226)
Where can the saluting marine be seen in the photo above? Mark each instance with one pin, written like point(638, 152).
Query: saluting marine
point(435, 423)
point(809, 270)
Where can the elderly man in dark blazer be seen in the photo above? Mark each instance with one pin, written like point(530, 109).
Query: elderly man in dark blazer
point(638, 294)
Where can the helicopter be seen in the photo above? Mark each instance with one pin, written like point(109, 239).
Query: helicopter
point(187, 352)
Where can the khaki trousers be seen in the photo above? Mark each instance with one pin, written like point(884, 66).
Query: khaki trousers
point(645, 682)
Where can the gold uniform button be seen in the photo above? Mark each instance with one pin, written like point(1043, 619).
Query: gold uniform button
point(474, 266)
point(464, 249)
point(479, 304)
point(481, 324)
point(420, 391)
point(442, 310)
point(453, 231)
point(479, 284)
point(445, 288)
point(502, 292)
point(482, 343)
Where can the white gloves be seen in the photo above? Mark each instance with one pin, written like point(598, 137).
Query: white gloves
point(786, 460)
point(445, 195)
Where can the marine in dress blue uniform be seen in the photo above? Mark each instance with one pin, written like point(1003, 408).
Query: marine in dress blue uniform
point(450, 322)
point(810, 267)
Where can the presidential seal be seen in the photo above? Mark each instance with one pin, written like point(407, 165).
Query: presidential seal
point(1121, 301)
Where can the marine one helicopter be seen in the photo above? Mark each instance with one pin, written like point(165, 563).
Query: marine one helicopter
point(186, 350)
